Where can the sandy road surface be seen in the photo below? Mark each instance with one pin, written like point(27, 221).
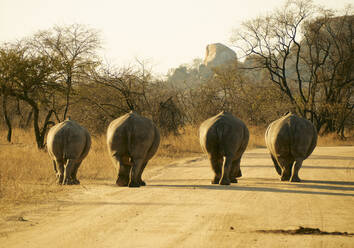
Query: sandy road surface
point(180, 208)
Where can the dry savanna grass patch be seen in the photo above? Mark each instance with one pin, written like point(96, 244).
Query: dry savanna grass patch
point(27, 174)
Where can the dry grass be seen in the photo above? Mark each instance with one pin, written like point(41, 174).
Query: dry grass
point(27, 174)
point(256, 137)
point(334, 140)
point(184, 145)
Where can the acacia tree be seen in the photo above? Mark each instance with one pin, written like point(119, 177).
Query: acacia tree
point(6, 55)
point(72, 51)
point(282, 44)
point(31, 78)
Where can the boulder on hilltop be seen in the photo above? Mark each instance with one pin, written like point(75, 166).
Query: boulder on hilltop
point(217, 55)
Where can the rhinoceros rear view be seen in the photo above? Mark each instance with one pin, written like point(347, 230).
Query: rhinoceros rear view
point(290, 138)
point(68, 144)
point(226, 136)
point(132, 141)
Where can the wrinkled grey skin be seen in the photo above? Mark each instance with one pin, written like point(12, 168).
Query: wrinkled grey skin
point(222, 136)
point(290, 139)
point(132, 141)
point(68, 144)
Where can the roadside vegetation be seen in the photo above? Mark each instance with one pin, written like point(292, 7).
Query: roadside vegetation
point(299, 58)
point(27, 174)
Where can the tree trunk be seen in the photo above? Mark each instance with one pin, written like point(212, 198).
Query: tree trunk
point(29, 118)
point(40, 134)
point(68, 82)
point(37, 133)
point(6, 117)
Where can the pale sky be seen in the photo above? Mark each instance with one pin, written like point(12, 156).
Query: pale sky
point(165, 33)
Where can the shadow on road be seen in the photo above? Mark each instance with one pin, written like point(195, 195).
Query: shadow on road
point(331, 157)
point(313, 156)
point(328, 182)
point(253, 189)
point(316, 184)
point(303, 167)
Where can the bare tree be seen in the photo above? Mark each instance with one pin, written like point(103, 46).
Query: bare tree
point(72, 51)
point(295, 55)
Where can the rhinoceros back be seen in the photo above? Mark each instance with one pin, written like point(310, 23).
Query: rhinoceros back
point(132, 135)
point(68, 140)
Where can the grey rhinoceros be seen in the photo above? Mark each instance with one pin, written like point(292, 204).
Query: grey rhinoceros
point(290, 138)
point(224, 136)
point(132, 141)
point(68, 144)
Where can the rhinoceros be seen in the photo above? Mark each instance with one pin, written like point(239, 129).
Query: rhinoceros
point(224, 138)
point(132, 141)
point(290, 139)
point(68, 144)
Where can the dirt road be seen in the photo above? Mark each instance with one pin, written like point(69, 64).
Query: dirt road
point(180, 208)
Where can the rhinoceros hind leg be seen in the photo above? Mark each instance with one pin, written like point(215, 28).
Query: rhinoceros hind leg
point(276, 165)
point(60, 171)
point(216, 180)
point(141, 182)
point(235, 171)
point(227, 166)
point(124, 171)
point(295, 171)
point(239, 174)
point(285, 175)
point(74, 173)
point(68, 172)
point(286, 165)
point(137, 167)
point(216, 165)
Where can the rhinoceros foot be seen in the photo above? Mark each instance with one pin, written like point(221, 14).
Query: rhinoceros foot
point(59, 179)
point(122, 181)
point(285, 177)
point(76, 181)
point(215, 180)
point(295, 179)
point(134, 185)
point(225, 181)
point(239, 174)
point(233, 180)
point(142, 183)
point(68, 181)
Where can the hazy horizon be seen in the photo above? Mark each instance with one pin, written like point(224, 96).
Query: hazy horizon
point(165, 34)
